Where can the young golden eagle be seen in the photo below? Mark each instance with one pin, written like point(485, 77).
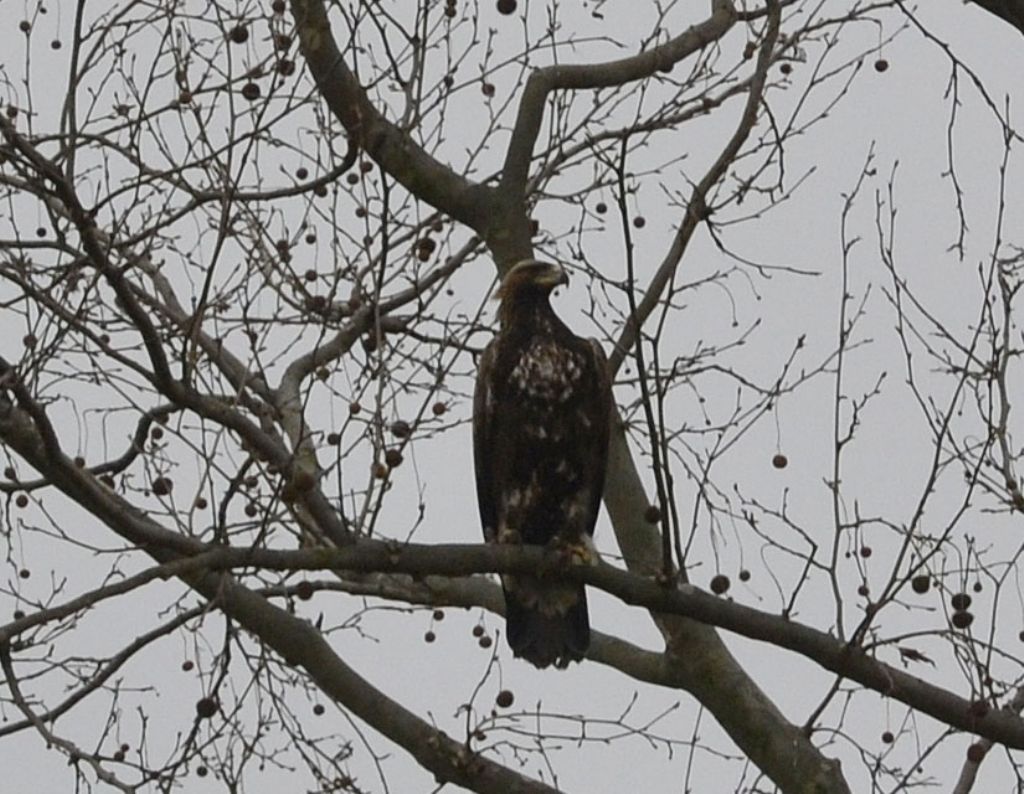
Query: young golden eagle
point(540, 443)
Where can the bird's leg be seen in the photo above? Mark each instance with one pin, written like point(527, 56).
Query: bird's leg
point(580, 551)
point(510, 536)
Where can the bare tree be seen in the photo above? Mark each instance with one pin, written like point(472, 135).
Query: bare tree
point(245, 252)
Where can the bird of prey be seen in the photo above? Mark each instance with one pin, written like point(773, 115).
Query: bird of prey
point(540, 445)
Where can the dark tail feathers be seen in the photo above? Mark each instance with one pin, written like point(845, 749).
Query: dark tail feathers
point(543, 640)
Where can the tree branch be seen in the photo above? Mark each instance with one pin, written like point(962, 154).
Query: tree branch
point(419, 172)
point(1011, 11)
point(598, 75)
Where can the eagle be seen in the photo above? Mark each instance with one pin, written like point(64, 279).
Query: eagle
point(540, 447)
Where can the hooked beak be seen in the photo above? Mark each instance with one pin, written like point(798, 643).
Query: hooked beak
point(553, 277)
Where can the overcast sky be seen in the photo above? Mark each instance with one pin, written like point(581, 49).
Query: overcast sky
point(902, 115)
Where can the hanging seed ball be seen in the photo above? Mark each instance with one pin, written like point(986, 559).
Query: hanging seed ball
point(278, 6)
point(156, 433)
point(201, 503)
point(354, 408)
point(79, 461)
point(333, 439)
point(960, 602)
point(318, 709)
point(24, 26)
point(887, 737)
point(282, 41)
point(239, 34)
point(487, 89)
point(780, 461)
point(119, 756)
point(380, 471)
point(393, 458)
point(786, 68)
point(962, 619)
point(286, 67)
point(865, 551)
point(55, 44)
point(450, 12)
point(365, 166)
point(438, 615)
point(320, 191)
point(29, 341)
point(206, 708)
point(251, 510)
point(921, 583)
point(251, 91)
point(351, 178)
point(400, 428)
point(976, 753)
point(439, 409)
point(976, 587)
point(652, 515)
point(202, 771)
point(881, 65)
point(863, 590)
point(21, 500)
point(429, 636)
point(507, 6)
point(304, 590)
point(41, 231)
point(505, 698)
point(719, 583)
point(601, 208)
point(744, 575)
point(162, 486)
point(187, 665)
point(485, 642)
point(478, 631)
point(25, 573)
point(639, 221)
point(18, 614)
point(310, 238)
point(301, 173)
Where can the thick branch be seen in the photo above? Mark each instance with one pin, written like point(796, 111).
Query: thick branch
point(598, 75)
point(370, 556)
point(419, 172)
point(1011, 11)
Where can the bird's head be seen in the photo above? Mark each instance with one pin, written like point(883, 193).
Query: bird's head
point(531, 277)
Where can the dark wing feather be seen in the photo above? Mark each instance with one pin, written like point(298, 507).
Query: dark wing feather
point(601, 408)
point(483, 442)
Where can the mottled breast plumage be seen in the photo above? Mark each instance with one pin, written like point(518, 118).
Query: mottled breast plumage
point(547, 372)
